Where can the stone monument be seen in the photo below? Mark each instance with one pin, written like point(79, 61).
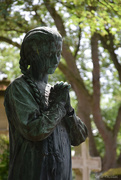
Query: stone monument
point(42, 123)
point(83, 164)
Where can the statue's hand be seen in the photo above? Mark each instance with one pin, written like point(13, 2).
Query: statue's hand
point(59, 93)
point(68, 107)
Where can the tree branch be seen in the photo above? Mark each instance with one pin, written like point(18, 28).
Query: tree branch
point(117, 123)
point(70, 60)
point(13, 29)
point(37, 16)
point(119, 160)
point(9, 41)
point(96, 90)
point(108, 138)
point(70, 75)
point(78, 45)
point(58, 20)
point(75, 81)
point(110, 47)
point(60, 26)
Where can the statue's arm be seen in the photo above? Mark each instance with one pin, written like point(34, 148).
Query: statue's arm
point(23, 113)
point(76, 129)
point(42, 126)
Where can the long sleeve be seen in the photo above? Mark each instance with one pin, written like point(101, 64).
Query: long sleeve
point(23, 113)
point(76, 129)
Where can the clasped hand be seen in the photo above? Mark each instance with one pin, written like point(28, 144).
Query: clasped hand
point(60, 93)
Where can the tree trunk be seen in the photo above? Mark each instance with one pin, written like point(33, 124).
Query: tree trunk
point(109, 140)
point(109, 160)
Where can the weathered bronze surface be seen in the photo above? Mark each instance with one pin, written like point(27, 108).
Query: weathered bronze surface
point(42, 123)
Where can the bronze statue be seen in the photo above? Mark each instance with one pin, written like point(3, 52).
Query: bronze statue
point(42, 123)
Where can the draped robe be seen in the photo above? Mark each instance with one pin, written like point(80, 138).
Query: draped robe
point(40, 143)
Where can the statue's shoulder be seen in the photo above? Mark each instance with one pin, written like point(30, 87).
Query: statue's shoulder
point(18, 82)
point(13, 87)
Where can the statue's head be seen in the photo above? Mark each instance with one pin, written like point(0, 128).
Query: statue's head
point(40, 51)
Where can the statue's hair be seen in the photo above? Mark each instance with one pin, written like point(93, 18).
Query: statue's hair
point(41, 35)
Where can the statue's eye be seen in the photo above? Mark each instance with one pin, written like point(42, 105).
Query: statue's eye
point(58, 54)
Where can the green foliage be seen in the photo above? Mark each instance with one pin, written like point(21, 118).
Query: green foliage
point(9, 60)
point(73, 175)
point(95, 14)
point(4, 157)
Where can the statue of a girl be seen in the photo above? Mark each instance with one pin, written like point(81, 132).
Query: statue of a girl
point(42, 123)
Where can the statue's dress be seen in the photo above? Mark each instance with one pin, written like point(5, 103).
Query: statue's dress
point(40, 143)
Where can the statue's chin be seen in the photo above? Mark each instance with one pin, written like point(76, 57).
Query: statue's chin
point(51, 70)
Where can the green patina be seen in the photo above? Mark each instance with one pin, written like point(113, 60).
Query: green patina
point(43, 125)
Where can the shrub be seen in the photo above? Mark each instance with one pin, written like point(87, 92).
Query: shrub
point(4, 157)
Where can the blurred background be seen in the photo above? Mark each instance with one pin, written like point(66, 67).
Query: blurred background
point(90, 62)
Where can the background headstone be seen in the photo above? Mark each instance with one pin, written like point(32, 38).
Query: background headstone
point(83, 164)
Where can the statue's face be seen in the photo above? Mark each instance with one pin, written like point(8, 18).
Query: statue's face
point(53, 56)
point(44, 57)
